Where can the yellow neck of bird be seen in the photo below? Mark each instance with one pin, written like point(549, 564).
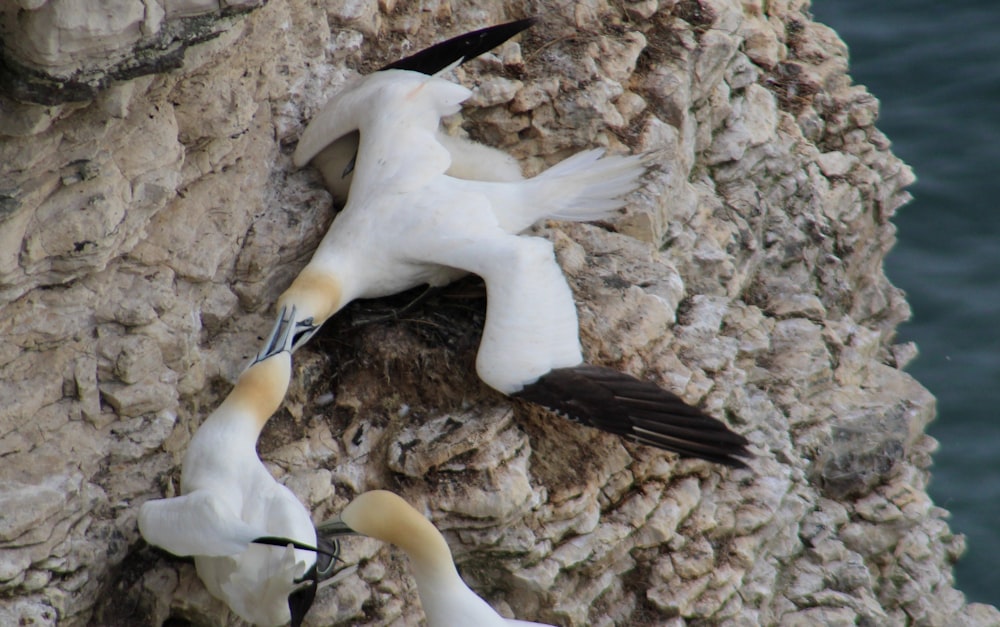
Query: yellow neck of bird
point(315, 292)
point(261, 389)
point(387, 517)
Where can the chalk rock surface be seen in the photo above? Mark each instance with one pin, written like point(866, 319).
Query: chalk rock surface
point(149, 221)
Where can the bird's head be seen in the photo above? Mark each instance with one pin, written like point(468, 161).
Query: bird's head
point(385, 516)
point(262, 386)
point(314, 295)
point(382, 515)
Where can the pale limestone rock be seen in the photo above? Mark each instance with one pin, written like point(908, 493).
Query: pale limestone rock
point(761, 43)
point(510, 55)
point(709, 62)
point(63, 29)
point(30, 610)
point(27, 506)
point(836, 164)
point(493, 92)
point(530, 96)
point(361, 15)
point(746, 275)
point(642, 9)
point(137, 437)
point(617, 57)
point(142, 398)
point(63, 51)
point(25, 120)
point(752, 122)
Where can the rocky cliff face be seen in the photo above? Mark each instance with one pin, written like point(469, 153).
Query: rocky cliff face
point(147, 224)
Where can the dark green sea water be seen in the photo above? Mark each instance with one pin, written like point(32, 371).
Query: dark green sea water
point(935, 66)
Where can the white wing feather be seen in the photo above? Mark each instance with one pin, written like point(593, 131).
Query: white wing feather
point(198, 523)
point(468, 160)
point(408, 129)
point(580, 188)
point(329, 124)
point(531, 324)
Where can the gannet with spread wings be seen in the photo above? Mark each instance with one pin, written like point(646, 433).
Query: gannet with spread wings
point(407, 223)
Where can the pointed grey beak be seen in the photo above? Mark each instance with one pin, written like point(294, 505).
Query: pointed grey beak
point(335, 527)
point(304, 330)
point(281, 336)
point(332, 551)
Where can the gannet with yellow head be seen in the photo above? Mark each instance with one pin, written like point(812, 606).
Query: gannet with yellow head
point(446, 599)
point(253, 542)
point(407, 223)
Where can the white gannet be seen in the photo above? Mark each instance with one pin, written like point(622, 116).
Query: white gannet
point(445, 597)
point(252, 540)
point(407, 223)
point(334, 156)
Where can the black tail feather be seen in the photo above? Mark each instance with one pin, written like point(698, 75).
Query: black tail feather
point(468, 46)
point(621, 404)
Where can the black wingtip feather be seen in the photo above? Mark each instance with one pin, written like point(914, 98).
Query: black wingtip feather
point(468, 46)
point(642, 411)
point(303, 596)
point(300, 601)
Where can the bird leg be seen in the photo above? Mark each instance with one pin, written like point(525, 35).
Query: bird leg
point(303, 595)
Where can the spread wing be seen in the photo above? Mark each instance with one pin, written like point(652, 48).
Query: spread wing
point(461, 48)
point(326, 128)
point(619, 403)
point(398, 156)
point(530, 345)
point(397, 113)
point(198, 523)
point(531, 324)
point(332, 143)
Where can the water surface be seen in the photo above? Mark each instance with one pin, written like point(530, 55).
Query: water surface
point(935, 66)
